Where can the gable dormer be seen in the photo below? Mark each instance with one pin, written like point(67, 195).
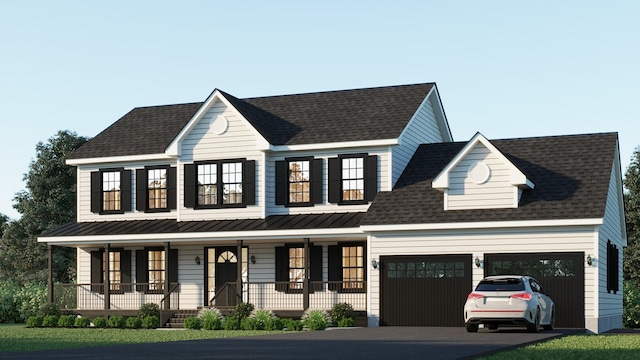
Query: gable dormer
point(481, 177)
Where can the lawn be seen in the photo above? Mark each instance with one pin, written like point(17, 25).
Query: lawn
point(21, 338)
point(583, 347)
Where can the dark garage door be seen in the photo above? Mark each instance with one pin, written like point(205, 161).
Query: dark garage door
point(424, 290)
point(562, 273)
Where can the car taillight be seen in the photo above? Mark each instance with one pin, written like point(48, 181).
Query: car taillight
point(474, 296)
point(522, 296)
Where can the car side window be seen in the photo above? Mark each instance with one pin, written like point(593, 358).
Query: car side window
point(535, 286)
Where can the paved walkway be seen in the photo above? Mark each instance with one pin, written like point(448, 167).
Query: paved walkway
point(395, 343)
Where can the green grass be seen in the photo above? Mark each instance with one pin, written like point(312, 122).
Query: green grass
point(20, 338)
point(583, 347)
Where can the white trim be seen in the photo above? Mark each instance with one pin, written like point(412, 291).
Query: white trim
point(334, 145)
point(115, 159)
point(441, 181)
point(481, 225)
point(225, 235)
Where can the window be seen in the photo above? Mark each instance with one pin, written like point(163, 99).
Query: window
point(156, 189)
point(291, 269)
point(216, 184)
point(111, 191)
point(150, 269)
point(353, 179)
point(612, 268)
point(299, 182)
point(347, 271)
point(119, 270)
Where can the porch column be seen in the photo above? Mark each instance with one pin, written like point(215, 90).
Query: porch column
point(167, 284)
point(307, 270)
point(239, 276)
point(107, 278)
point(50, 280)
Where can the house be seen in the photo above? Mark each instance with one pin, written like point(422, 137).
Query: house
point(302, 201)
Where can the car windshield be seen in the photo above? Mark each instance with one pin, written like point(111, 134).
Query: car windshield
point(501, 285)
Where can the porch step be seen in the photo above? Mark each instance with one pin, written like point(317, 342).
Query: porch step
point(177, 320)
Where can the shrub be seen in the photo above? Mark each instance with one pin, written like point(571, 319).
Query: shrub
point(150, 322)
point(261, 318)
point(341, 311)
point(34, 321)
point(243, 310)
point(631, 305)
point(192, 323)
point(81, 322)
point(274, 324)
point(50, 321)
point(211, 319)
point(316, 319)
point(134, 322)
point(116, 321)
point(250, 324)
point(345, 322)
point(231, 323)
point(18, 303)
point(149, 309)
point(8, 309)
point(99, 322)
point(66, 321)
point(292, 325)
point(49, 309)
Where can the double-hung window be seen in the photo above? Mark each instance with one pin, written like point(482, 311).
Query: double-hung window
point(119, 265)
point(353, 179)
point(155, 269)
point(291, 267)
point(219, 184)
point(347, 271)
point(151, 265)
point(111, 191)
point(299, 181)
point(156, 189)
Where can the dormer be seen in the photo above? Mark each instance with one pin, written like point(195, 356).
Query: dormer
point(481, 177)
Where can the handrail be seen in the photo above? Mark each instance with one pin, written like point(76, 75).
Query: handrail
point(169, 293)
point(218, 292)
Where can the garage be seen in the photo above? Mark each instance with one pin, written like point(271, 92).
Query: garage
point(424, 290)
point(562, 273)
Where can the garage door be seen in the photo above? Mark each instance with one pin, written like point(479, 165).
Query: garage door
point(562, 273)
point(424, 290)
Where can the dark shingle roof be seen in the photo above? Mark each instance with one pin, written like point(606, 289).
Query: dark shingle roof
point(169, 226)
point(571, 176)
point(332, 116)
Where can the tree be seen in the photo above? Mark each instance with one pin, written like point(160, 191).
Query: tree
point(631, 258)
point(47, 202)
point(3, 221)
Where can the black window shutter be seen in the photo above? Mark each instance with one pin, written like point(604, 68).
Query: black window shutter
point(371, 177)
point(172, 194)
point(142, 273)
point(282, 267)
point(282, 175)
point(125, 267)
point(96, 272)
point(189, 185)
point(249, 182)
point(335, 176)
point(316, 181)
point(96, 192)
point(173, 266)
point(316, 268)
point(141, 189)
point(125, 189)
point(335, 266)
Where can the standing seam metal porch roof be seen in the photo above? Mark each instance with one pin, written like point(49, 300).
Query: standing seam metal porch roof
point(322, 117)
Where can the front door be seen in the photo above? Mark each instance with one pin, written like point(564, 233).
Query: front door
point(222, 271)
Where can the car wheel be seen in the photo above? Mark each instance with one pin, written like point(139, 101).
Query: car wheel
point(536, 323)
point(552, 322)
point(493, 327)
point(472, 327)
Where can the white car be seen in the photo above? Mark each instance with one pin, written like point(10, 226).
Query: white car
point(509, 300)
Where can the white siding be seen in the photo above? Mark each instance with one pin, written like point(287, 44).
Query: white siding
point(422, 129)
point(272, 209)
point(610, 304)
point(481, 241)
point(496, 192)
point(239, 141)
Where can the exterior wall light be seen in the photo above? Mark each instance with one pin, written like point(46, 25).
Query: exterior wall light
point(477, 262)
point(589, 260)
point(253, 259)
point(197, 259)
point(374, 264)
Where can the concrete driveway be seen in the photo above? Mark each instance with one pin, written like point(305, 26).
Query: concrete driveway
point(396, 343)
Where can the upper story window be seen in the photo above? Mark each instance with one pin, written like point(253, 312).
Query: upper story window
point(111, 191)
point(353, 179)
point(156, 189)
point(299, 182)
point(216, 184)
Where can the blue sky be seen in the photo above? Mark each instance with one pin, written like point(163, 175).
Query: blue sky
point(504, 68)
